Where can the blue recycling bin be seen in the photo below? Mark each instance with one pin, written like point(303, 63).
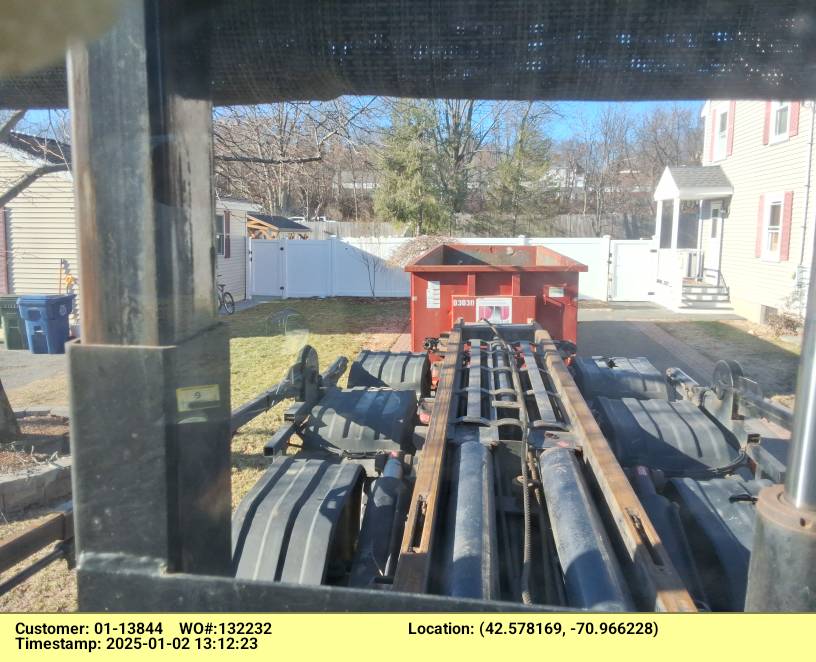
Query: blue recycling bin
point(46, 321)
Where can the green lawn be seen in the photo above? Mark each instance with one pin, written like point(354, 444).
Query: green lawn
point(260, 356)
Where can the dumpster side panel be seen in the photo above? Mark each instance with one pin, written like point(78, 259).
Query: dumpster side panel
point(556, 304)
point(432, 293)
point(439, 298)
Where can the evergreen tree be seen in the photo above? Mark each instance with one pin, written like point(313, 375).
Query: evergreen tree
point(406, 192)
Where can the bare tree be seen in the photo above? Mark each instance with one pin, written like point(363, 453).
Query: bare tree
point(461, 129)
point(9, 427)
point(621, 154)
point(373, 264)
point(666, 137)
point(276, 154)
point(48, 149)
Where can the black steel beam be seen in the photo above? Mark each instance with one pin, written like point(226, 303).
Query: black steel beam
point(150, 380)
point(125, 584)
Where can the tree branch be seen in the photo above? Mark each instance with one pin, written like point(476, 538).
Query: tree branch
point(254, 159)
point(10, 123)
point(29, 178)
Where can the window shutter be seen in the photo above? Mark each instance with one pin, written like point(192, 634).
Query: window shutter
point(712, 133)
point(760, 225)
point(4, 270)
point(787, 215)
point(793, 127)
point(766, 129)
point(732, 107)
point(226, 234)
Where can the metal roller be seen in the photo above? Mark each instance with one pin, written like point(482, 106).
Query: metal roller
point(470, 569)
point(592, 577)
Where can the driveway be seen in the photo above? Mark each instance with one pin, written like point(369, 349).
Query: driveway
point(34, 380)
point(629, 329)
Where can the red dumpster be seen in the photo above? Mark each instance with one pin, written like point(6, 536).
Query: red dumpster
point(505, 284)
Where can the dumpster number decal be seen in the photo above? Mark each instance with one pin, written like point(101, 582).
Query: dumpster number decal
point(193, 398)
point(497, 310)
point(432, 294)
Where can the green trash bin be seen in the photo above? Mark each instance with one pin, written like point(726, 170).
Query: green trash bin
point(13, 326)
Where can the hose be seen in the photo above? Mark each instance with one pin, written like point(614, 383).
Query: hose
point(526, 597)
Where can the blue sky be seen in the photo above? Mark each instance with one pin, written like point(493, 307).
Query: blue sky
point(560, 128)
point(573, 111)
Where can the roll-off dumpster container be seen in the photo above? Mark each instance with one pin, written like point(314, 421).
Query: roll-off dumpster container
point(504, 284)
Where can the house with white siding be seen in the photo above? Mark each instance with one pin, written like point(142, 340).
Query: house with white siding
point(38, 243)
point(38, 246)
point(738, 231)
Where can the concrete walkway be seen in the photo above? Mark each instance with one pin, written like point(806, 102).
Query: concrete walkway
point(639, 311)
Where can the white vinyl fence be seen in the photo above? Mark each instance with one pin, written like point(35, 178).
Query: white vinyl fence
point(358, 267)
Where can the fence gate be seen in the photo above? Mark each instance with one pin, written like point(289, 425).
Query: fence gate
point(632, 270)
point(266, 267)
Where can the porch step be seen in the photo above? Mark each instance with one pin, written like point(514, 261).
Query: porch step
point(702, 288)
point(707, 296)
point(706, 305)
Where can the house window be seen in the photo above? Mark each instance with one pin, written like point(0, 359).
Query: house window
point(666, 221)
point(219, 234)
point(780, 120)
point(722, 135)
point(767, 313)
point(772, 230)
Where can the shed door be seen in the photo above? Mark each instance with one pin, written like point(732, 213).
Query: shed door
point(633, 270)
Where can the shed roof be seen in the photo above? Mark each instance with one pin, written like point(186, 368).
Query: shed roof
point(279, 222)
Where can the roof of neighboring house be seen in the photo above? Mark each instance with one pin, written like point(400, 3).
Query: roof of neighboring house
point(47, 149)
point(693, 182)
point(279, 222)
point(236, 204)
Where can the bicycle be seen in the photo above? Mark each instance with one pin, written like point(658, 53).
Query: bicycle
point(224, 300)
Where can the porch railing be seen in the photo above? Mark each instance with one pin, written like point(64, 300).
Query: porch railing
point(691, 262)
point(682, 262)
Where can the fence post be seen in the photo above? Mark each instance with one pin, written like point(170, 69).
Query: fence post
point(606, 249)
point(284, 270)
point(332, 264)
point(248, 275)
